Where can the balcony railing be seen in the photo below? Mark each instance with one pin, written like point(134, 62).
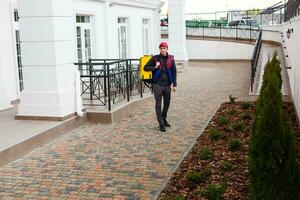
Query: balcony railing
point(105, 82)
point(234, 33)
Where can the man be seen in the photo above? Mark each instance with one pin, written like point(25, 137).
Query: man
point(164, 80)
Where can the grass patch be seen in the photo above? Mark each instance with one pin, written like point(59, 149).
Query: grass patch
point(205, 154)
point(234, 144)
point(216, 135)
point(175, 198)
point(237, 126)
point(232, 99)
point(246, 116)
point(245, 105)
point(223, 121)
point(227, 166)
point(198, 176)
point(214, 192)
point(231, 112)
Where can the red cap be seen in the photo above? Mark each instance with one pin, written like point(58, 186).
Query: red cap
point(163, 44)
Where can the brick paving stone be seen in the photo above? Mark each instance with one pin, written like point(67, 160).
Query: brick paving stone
point(130, 159)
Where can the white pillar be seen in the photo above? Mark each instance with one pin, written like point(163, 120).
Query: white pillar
point(177, 30)
point(8, 90)
point(156, 38)
point(47, 55)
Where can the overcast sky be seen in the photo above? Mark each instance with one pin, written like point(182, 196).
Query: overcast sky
point(200, 6)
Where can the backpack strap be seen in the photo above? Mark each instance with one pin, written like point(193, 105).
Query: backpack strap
point(170, 61)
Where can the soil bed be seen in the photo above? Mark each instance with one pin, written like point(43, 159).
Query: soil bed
point(220, 156)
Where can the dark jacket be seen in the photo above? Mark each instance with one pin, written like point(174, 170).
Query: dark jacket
point(169, 64)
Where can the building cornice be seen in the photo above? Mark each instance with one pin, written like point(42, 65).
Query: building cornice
point(151, 4)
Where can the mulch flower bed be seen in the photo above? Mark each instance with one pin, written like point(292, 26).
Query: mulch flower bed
point(216, 167)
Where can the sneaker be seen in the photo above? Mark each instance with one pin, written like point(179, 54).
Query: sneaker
point(162, 128)
point(167, 123)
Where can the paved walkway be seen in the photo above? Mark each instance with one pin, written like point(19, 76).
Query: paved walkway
point(131, 159)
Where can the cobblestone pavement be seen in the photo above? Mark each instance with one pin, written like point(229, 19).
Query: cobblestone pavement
point(130, 159)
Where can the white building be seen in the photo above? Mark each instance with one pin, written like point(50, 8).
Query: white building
point(41, 39)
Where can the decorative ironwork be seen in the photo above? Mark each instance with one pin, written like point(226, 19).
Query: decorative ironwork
point(108, 81)
point(236, 33)
point(228, 33)
point(211, 32)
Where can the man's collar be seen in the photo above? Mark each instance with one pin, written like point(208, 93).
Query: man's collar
point(163, 55)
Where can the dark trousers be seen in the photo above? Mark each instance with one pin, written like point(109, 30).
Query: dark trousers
point(159, 93)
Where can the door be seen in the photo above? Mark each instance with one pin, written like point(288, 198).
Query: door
point(122, 37)
point(83, 31)
point(18, 50)
point(145, 33)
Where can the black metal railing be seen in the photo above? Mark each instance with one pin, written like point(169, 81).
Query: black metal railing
point(236, 33)
point(108, 81)
point(255, 57)
point(292, 9)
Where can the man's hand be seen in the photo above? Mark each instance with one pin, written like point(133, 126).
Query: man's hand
point(157, 65)
point(173, 88)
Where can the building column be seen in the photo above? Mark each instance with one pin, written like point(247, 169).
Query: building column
point(177, 30)
point(156, 37)
point(8, 84)
point(46, 30)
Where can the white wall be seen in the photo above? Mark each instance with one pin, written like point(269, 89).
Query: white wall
point(292, 50)
point(8, 81)
point(104, 23)
point(272, 33)
point(96, 10)
point(104, 41)
point(4, 99)
point(135, 16)
point(205, 49)
point(14, 78)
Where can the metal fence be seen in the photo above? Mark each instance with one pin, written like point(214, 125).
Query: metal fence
point(292, 10)
point(270, 16)
point(105, 82)
point(255, 58)
point(235, 33)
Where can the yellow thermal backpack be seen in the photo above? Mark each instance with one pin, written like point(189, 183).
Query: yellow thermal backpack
point(145, 76)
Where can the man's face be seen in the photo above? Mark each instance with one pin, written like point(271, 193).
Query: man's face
point(163, 50)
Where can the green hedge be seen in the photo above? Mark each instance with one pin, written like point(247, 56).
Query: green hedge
point(272, 160)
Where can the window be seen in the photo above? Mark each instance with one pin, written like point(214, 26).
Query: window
point(122, 37)
point(79, 43)
point(19, 60)
point(87, 38)
point(82, 19)
point(122, 20)
point(145, 30)
point(16, 16)
point(83, 36)
point(83, 41)
point(18, 49)
point(145, 21)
